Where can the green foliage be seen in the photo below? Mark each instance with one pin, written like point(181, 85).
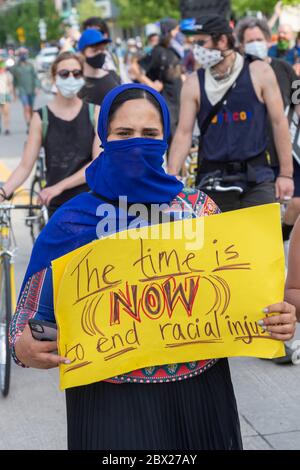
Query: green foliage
point(87, 8)
point(140, 12)
point(241, 7)
point(26, 15)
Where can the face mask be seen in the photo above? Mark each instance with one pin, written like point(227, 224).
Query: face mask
point(283, 45)
point(207, 57)
point(133, 168)
point(70, 86)
point(97, 61)
point(257, 48)
point(23, 58)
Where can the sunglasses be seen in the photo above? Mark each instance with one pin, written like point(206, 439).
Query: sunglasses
point(77, 73)
point(202, 42)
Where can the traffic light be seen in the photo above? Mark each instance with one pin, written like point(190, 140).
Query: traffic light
point(21, 34)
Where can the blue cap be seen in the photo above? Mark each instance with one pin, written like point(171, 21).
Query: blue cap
point(90, 37)
point(187, 26)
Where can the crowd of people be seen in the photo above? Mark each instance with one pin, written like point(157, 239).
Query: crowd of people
point(200, 76)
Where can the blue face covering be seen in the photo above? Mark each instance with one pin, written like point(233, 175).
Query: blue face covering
point(130, 167)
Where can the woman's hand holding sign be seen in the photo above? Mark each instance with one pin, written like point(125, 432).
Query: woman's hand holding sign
point(283, 325)
point(38, 354)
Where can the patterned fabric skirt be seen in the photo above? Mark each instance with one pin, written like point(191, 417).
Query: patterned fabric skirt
point(193, 414)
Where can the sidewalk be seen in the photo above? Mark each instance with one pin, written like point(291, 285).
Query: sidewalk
point(33, 415)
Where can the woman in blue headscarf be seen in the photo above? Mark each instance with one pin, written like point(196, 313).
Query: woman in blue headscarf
point(177, 406)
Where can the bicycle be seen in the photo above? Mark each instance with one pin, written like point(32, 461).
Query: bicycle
point(8, 249)
point(190, 168)
point(36, 220)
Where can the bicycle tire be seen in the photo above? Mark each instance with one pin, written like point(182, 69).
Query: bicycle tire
point(35, 227)
point(5, 319)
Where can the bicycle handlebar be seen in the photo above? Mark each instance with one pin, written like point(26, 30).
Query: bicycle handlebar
point(20, 206)
point(222, 179)
point(223, 189)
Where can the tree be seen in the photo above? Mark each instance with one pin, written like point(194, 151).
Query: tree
point(137, 13)
point(87, 8)
point(240, 7)
point(26, 15)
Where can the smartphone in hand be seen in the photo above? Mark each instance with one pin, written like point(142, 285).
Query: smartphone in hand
point(43, 330)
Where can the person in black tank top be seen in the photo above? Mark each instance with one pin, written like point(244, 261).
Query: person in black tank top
point(66, 130)
point(66, 156)
point(233, 97)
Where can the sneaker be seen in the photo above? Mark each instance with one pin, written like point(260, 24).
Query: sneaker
point(287, 359)
point(7, 132)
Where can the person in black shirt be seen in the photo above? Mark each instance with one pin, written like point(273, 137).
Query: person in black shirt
point(98, 82)
point(162, 69)
point(111, 59)
point(67, 135)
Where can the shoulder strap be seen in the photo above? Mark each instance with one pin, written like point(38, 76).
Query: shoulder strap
point(92, 113)
point(45, 121)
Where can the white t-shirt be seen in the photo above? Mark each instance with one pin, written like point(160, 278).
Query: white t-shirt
point(6, 81)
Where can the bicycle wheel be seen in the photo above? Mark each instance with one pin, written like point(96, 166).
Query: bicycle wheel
point(36, 219)
point(5, 318)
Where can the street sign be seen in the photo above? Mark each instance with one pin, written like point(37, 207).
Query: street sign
point(108, 9)
point(21, 34)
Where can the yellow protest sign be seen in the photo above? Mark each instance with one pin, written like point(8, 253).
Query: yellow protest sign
point(140, 299)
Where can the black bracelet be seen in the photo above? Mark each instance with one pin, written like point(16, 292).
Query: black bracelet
point(4, 193)
point(288, 177)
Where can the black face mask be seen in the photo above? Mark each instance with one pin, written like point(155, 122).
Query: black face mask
point(97, 61)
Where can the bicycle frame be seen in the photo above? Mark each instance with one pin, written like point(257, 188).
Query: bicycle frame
point(8, 247)
point(40, 171)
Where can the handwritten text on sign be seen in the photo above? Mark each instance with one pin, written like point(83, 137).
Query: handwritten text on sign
point(127, 304)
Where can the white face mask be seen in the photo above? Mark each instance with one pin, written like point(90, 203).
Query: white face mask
point(207, 58)
point(69, 87)
point(257, 48)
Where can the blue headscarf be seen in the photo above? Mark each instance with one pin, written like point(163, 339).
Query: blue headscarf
point(74, 224)
point(132, 167)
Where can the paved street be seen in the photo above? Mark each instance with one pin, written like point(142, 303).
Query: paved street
point(33, 415)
